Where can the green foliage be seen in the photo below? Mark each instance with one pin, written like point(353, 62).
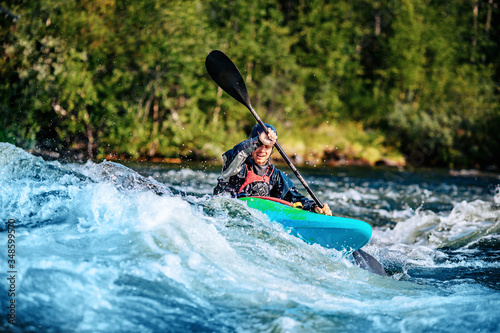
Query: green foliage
point(129, 77)
point(438, 95)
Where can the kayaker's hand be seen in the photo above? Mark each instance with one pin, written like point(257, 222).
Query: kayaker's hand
point(268, 140)
point(325, 210)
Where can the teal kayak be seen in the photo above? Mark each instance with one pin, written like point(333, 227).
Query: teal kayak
point(335, 232)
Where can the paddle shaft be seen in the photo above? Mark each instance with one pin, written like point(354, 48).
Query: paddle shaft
point(287, 159)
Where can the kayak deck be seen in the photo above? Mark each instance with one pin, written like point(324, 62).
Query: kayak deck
point(335, 232)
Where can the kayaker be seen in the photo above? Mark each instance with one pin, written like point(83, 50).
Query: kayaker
point(247, 171)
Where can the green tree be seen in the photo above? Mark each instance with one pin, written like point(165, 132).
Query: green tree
point(129, 78)
point(438, 94)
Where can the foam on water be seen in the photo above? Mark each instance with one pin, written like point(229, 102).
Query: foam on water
point(102, 248)
point(467, 225)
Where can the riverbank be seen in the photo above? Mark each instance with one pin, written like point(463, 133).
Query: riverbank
point(332, 144)
point(332, 158)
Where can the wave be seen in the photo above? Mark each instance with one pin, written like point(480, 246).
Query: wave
point(37, 193)
point(469, 225)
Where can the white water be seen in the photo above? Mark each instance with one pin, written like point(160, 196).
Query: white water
point(100, 248)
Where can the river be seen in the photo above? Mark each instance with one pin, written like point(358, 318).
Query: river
point(103, 247)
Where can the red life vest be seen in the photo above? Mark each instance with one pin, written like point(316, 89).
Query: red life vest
point(252, 177)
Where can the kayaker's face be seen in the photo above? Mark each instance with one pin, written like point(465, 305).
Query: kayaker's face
point(262, 154)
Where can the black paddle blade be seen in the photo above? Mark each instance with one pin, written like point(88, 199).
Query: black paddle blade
point(366, 261)
point(225, 73)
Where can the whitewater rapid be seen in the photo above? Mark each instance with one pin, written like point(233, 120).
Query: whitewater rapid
point(103, 248)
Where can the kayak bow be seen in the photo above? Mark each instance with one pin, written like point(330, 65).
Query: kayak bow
point(335, 232)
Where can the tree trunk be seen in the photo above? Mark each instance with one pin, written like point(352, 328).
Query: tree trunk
point(488, 16)
point(90, 136)
point(475, 12)
point(377, 24)
point(90, 142)
point(218, 107)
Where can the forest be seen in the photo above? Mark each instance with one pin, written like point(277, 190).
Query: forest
point(413, 82)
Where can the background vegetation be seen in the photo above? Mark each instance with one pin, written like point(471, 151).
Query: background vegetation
point(368, 79)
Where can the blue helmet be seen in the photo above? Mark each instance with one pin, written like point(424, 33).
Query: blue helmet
point(257, 129)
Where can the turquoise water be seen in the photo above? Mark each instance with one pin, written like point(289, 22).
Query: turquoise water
point(104, 248)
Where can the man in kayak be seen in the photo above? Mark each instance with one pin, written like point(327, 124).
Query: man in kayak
point(247, 171)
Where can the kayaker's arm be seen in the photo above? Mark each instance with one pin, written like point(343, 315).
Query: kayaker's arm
point(233, 159)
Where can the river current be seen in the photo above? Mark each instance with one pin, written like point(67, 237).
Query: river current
point(103, 247)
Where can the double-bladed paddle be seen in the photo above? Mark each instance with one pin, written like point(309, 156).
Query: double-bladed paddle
point(225, 73)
